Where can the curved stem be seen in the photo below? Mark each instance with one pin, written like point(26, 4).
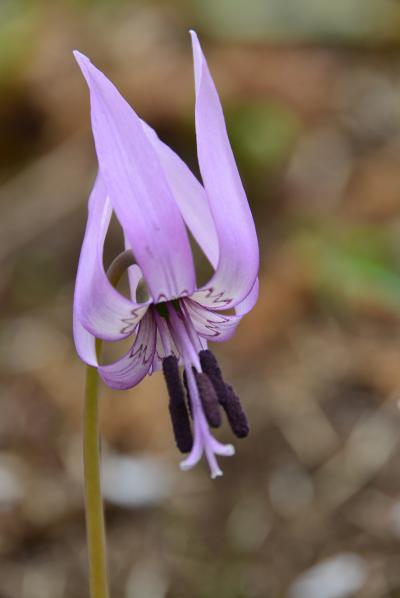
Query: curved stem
point(95, 528)
point(119, 265)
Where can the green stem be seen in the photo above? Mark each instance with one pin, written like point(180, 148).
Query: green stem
point(95, 527)
point(94, 504)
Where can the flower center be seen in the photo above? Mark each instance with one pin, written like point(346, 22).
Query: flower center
point(193, 412)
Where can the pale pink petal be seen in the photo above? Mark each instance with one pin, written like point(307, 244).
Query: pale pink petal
point(248, 302)
point(211, 325)
point(100, 308)
point(190, 196)
point(138, 190)
point(85, 343)
point(238, 247)
point(136, 363)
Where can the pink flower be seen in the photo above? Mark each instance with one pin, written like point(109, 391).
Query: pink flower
point(155, 197)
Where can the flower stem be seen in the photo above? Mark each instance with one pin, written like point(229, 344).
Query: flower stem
point(94, 504)
point(95, 527)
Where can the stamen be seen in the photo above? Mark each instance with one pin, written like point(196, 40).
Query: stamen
point(209, 399)
point(177, 405)
point(226, 395)
point(210, 366)
point(235, 414)
point(203, 442)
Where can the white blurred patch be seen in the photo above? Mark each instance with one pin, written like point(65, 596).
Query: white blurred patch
point(136, 481)
point(147, 580)
point(28, 344)
point(291, 490)
point(394, 519)
point(336, 577)
point(45, 583)
point(248, 524)
point(11, 487)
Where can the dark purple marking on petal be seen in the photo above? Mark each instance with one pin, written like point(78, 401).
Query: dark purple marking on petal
point(141, 353)
point(217, 298)
point(211, 324)
point(163, 298)
point(130, 323)
point(177, 405)
point(209, 400)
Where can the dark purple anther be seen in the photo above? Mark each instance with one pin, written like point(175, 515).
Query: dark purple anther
point(226, 395)
point(235, 414)
point(210, 367)
point(177, 405)
point(209, 400)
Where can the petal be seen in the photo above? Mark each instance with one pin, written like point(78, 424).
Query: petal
point(238, 247)
point(190, 196)
point(165, 344)
point(135, 364)
point(248, 302)
point(209, 324)
point(138, 190)
point(85, 343)
point(214, 326)
point(100, 308)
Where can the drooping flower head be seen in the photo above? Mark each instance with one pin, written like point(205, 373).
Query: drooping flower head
point(156, 198)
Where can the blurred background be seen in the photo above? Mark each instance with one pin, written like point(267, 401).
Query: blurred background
point(310, 506)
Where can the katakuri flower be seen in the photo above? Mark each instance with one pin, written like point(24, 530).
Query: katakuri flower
point(155, 197)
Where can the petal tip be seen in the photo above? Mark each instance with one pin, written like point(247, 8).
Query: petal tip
point(198, 58)
point(83, 62)
point(79, 57)
point(195, 40)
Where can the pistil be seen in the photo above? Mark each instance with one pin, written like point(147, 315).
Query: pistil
point(202, 397)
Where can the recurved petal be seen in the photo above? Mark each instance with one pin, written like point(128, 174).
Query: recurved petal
point(138, 190)
point(135, 364)
point(190, 196)
point(85, 343)
point(238, 247)
point(248, 302)
point(211, 325)
point(100, 308)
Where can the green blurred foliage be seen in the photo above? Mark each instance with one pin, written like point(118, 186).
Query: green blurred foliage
point(342, 20)
point(356, 263)
point(17, 32)
point(262, 133)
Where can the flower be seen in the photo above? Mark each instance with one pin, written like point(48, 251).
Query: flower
point(155, 197)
